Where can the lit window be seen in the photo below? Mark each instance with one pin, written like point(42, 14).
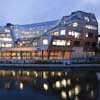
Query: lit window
point(87, 19)
point(45, 42)
point(21, 44)
point(75, 24)
point(6, 39)
point(99, 39)
point(59, 42)
point(62, 42)
point(35, 43)
point(68, 43)
point(3, 45)
point(69, 33)
point(63, 32)
point(54, 42)
point(8, 45)
point(55, 33)
point(75, 34)
point(91, 27)
point(86, 34)
point(7, 30)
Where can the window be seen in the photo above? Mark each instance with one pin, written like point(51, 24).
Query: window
point(86, 35)
point(69, 33)
point(45, 42)
point(87, 19)
point(63, 32)
point(35, 43)
point(99, 39)
point(68, 43)
point(55, 33)
point(3, 45)
point(75, 24)
point(93, 19)
point(62, 42)
point(8, 45)
point(91, 27)
point(75, 34)
point(7, 30)
point(59, 42)
point(6, 39)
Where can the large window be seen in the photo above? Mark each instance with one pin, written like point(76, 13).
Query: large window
point(35, 43)
point(91, 27)
point(8, 45)
point(5, 39)
point(75, 34)
point(99, 39)
point(86, 35)
point(45, 42)
point(75, 24)
point(63, 32)
point(5, 45)
point(55, 33)
point(7, 30)
point(68, 43)
point(59, 42)
point(87, 19)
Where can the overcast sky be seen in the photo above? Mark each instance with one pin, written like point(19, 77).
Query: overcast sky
point(33, 11)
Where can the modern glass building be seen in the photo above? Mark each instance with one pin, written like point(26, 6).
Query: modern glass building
point(33, 30)
point(73, 36)
point(25, 34)
point(76, 35)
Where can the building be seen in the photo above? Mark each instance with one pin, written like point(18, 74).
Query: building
point(74, 36)
point(33, 30)
point(24, 34)
point(6, 38)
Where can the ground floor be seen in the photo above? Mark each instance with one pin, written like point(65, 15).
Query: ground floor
point(34, 55)
point(31, 54)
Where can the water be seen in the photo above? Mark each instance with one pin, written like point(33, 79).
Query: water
point(37, 85)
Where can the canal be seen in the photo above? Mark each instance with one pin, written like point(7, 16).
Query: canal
point(48, 85)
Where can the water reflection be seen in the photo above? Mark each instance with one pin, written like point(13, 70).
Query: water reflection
point(21, 86)
point(64, 85)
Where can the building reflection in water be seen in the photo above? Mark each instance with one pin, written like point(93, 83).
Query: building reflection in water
point(65, 85)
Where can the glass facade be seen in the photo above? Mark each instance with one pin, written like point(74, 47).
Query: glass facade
point(6, 40)
point(33, 55)
point(61, 39)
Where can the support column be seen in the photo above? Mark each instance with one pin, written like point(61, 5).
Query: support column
point(63, 53)
point(42, 54)
point(48, 54)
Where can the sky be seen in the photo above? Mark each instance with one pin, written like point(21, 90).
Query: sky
point(34, 11)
